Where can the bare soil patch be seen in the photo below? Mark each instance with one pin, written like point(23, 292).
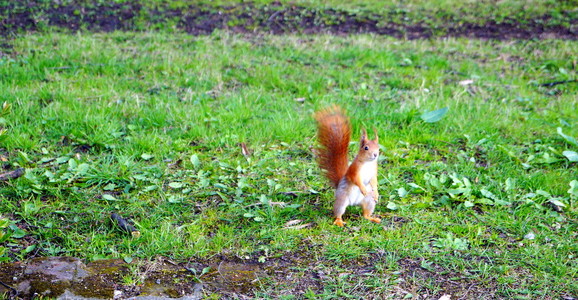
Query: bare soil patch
point(232, 278)
point(275, 18)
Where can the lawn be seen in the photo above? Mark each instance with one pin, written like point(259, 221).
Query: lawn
point(205, 143)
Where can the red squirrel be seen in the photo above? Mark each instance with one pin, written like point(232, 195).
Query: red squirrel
point(355, 183)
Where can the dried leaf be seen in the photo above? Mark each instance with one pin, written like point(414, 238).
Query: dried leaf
point(293, 222)
point(244, 150)
point(299, 226)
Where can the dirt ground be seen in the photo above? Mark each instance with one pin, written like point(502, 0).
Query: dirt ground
point(274, 18)
point(229, 278)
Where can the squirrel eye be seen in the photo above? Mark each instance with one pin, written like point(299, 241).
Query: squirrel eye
point(366, 148)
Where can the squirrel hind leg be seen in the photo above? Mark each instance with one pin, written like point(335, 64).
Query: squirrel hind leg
point(339, 222)
point(339, 209)
point(368, 208)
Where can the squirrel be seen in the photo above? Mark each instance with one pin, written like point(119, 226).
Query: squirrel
point(355, 183)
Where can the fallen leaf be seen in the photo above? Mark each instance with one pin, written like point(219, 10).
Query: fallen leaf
point(466, 82)
point(244, 150)
point(293, 222)
point(299, 226)
point(446, 297)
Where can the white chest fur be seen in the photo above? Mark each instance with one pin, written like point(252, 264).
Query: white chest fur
point(352, 191)
point(367, 171)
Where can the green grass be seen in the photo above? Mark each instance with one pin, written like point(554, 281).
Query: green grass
point(150, 125)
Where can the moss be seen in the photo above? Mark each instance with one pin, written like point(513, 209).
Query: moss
point(96, 286)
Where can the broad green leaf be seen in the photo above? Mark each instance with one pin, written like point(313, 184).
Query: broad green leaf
point(147, 156)
point(571, 155)
point(557, 202)
point(573, 188)
point(72, 164)
point(82, 169)
point(458, 191)
point(195, 161)
point(501, 202)
point(62, 159)
point(434, 115)
point(402, 192)
point(543, 193)
point(220, 186)
point(24, 156)
point(109, 187)
point(263, 199)
point(176, 185)
point(485, 201)
point(568, 138)
point(17, 233)
point(487, 194)
point(108, 197)
point(30, 248)
point(510, 184)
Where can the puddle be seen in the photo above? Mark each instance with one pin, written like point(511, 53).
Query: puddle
point(70, 278)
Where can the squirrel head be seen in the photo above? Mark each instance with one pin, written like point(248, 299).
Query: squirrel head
point(369, 149)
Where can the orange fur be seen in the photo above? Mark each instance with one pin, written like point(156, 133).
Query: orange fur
point(334, 134)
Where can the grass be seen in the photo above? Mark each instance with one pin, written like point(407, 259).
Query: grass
point(151, 126)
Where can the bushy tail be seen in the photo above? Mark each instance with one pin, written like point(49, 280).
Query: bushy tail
point(334, 134)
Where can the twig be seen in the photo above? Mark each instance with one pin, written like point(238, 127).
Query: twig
point(13, 290)
point(12, 174)
point(551, 84)
point(275, 14)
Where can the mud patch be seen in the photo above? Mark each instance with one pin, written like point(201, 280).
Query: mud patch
point(275, 18)
point(294, 273)
point(431, 281)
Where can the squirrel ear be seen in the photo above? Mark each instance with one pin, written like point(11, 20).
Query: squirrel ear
point(363, 136)
point(376, 136)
